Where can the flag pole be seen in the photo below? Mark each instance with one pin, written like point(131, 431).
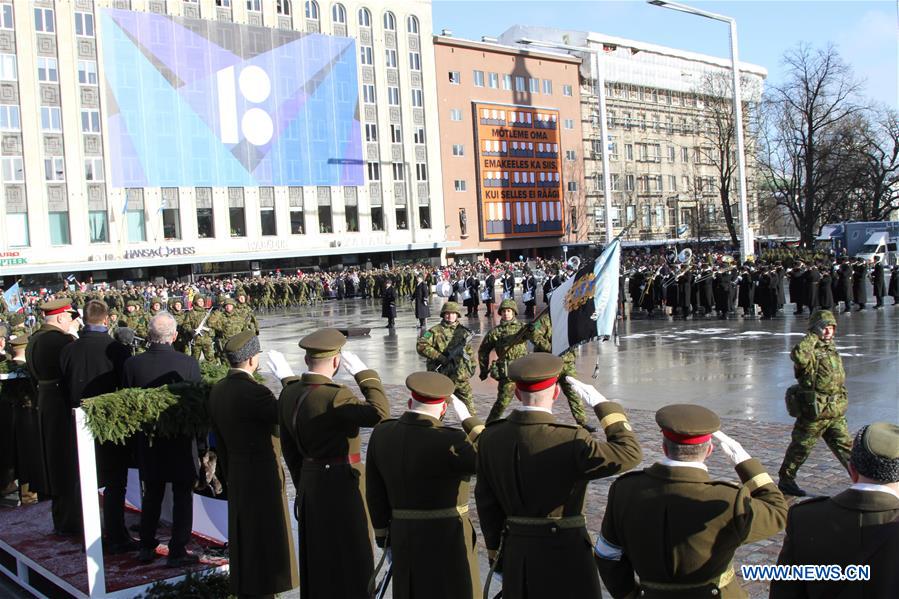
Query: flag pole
point(599, 340)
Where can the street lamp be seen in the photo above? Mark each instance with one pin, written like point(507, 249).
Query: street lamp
point(746, 249)
point(600, 85)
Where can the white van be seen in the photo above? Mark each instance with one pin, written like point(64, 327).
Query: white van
point(879, 244)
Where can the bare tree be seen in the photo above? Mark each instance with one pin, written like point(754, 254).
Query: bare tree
point(874, 143)
point(800, 144)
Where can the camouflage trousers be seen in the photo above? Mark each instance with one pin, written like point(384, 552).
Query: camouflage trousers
point(506, 391)
point(463, 392)
point(806, 434)
point(202, 346)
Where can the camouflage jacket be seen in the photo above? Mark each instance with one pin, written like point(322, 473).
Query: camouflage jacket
point(499, 339)
point(819, 369)
point(193, 319)
point(247, 312)
point(137, 321)
point(442, 341)
point(227, 325)
point(542, 338)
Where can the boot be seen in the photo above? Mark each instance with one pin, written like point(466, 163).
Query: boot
point(788, 486)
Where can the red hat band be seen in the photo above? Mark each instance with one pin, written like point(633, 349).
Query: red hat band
point(685, 439)
point(59, 310)
point(430, 400)
point(531, 386)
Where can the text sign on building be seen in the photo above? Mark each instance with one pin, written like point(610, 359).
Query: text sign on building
point(195, 102)
point(519, 171)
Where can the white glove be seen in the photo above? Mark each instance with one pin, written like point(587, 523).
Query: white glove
point(352, 363)
point(278, 365)
point(733, 450)
point(588, 393)
point(460, 408)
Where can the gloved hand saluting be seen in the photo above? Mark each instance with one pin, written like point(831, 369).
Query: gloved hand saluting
point(277, 365)
point(733, 450)
point(586, 392)
point(352, 363)
point(460, 408)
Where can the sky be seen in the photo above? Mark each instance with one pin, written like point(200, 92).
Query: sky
point(864, 32)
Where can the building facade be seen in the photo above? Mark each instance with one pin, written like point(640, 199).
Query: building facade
point(510, 140)
point(90, 186)
point(665, 108)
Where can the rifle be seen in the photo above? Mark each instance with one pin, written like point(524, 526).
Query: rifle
point(458, 356)
point(199, 330)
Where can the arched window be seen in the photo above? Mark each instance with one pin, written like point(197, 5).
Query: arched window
point(283, 7)
point(389, 21)
point(364, 18)
point(338, 14)
point(412, 24)
point(312, 10)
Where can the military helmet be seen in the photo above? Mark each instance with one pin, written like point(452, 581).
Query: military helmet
point(821, 318)
point(451, 307)
point(510, 304)
point(16, 319)
point(228, 301)
point(155, 300)
point(134, 303)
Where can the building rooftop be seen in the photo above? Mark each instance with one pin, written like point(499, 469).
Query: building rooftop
point(501, 48)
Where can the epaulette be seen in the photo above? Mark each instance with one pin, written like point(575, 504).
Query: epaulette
point(809, 500)
point(630, 473)
point(728, 483)
point(497, 421)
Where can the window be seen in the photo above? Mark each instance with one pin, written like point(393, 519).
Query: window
point(630, 214)
point(393, 95)
point(672, 154)
point(478, 78)
point(136, 225)
point(418, 98)
point(364, 17)
point(84, 24)
point(672, 183)
point(205, 217)
point(455, 114)
point(283, 7)
point(647, 216)
point(616, 216)
point(47, 70)
point(572, 186)
point(412, 25)
point(569, 124)
point(401, 221)
point(415, 61)
point(238, 221)
point(396, 134)
point(338, 14)
point(43, 20)
point(493, 80)
point(616, 182)
point(254, 5)
point(519, 84)
point(297, 221)
point(374, 171)
point(59, 228)
point(87, 72)
point(458, 150)
point(366, 55)
point(389, 21)
point(628, 151)
point(398, 171)
point(534, 85)
point(419, 136)
point(455, 77)
point(311, 11)
point(8, 69)
point(547, 87)
point(223, 3)
point(93, 169)
point(424, 216)
point(507, 82)
point(267, 221)
point(421, 171)
point(90, 121)
point(371, 132)
point(98, 225)
point(51, 120)
point(6, 20)
point(567, 90)
point(171, 214)
point(368, 93)
point(459, 184)
point(391, 58)
point(9, 118)
point(351, 213)
point(659, 215)
point(685, 155)
point(628, 183)
point(13, 170)
point(570, 155)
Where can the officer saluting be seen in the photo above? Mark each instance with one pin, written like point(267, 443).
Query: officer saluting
point(532, 478)
point(417, 486)
point(320, 421)
point(676, 528)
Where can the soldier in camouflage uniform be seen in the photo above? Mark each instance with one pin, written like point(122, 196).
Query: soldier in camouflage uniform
point(176, 309)
point(542, 338)
point(17, 325)
point(243, 307)
point(821, 398)
point(155, 306)
point(444, 340)
point(199, 340)
point(136, 320)
point(509, 339)
point(226, 323)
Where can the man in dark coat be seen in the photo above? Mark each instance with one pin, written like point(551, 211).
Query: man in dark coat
point(825, 288)
point(388, 303)
point(797, 286)
point(844, 284)
point(57, 425)
point(877, 280)
point(812, 287)
point(529, 293)
point(319, 422)
point(508, 280)
point(685, 290)
point(860, 526)
point(746, 295)
point(422, 298)
point(93, 366)
point(532, 479)
point(860, 283)
point(245, 421)
point(173, 459)
point(489, 293)
point(894, 284)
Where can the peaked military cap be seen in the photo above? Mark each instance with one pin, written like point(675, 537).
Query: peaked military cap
point(875, 452)
point(510, 304)
point(536, 371)
point(430, 387)
point(451, 307)
point(241, 347)
point(58, 306)
point(323, 343)
point(687, 424)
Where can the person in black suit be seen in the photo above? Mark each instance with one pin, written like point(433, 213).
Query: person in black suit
point(388, 303)
point(489, 292)
point(93, 366)
point(878, 281)
point(172, 460)
point(422, 296)
point(860, 282)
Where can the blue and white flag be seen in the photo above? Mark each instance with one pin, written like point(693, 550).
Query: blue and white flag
point(13, 298)
point(586, 306)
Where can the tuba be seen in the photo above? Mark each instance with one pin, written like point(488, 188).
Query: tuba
point(685, 256)
point(574, 263)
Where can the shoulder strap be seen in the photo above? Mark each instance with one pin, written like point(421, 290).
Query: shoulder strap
point(296, 412)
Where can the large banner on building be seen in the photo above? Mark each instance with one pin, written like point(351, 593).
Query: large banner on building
point(195, 102)
point(519, 171)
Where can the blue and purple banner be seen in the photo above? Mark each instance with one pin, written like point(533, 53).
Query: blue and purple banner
point(195, 102)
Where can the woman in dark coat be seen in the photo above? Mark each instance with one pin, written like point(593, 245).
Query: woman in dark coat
point(388, 303)
point(421, 296)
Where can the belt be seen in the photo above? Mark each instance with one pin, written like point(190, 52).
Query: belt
point(450, 512)
point(353, 458)
point(578, 521)
point(50, 382)
point(719, 581)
